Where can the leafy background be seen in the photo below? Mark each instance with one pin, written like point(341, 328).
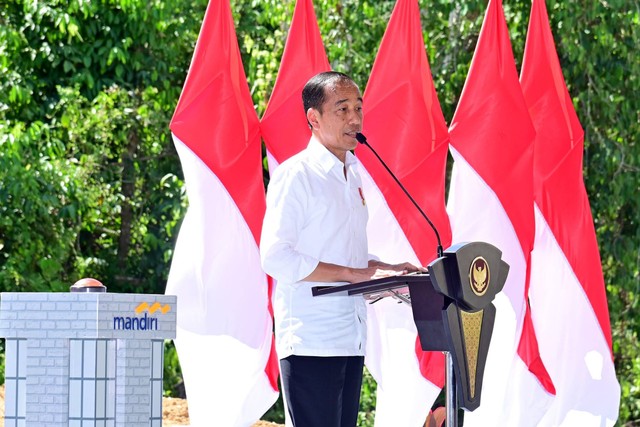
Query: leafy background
point(90, 183)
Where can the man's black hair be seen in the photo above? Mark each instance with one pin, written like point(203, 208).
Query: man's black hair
point(314, 92)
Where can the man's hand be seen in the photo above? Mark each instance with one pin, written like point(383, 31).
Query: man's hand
point(404, 266)
point(370, 273)
point(326, 272)
point(379, 269)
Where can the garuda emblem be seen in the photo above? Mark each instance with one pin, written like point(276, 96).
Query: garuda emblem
point(479, 276)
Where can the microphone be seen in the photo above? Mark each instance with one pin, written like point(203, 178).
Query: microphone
point(363, 140)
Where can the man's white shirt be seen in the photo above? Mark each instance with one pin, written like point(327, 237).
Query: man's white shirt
point(315, 213)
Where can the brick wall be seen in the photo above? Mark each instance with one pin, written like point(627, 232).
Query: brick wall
point(121, 371)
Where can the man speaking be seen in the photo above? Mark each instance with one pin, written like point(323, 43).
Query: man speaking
point(314, 233)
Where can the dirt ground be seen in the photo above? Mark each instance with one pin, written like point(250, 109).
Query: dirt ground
point(174, 413)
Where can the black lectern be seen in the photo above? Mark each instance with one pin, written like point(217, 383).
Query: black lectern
point(452, 309)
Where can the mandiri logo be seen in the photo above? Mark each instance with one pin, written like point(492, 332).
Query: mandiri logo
point(141, 323)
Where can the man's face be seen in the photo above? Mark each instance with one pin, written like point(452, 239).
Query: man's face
point(339, 120)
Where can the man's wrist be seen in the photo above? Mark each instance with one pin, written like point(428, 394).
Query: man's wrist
point(377, 263)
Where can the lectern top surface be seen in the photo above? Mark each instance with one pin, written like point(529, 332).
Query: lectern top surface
point(372, 286)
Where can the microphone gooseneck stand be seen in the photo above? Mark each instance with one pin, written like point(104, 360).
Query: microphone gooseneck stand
point(363, 140)
point(451, 396)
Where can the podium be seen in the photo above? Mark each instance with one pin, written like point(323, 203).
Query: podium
point(452, 309)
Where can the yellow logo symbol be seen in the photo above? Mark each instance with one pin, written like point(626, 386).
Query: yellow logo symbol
point(153, 308)
point(479, 276)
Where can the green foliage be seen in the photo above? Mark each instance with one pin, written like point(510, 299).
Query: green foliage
point(601, 65)
point(80, 173)
point(41, 195)
point(90, 184)
point(172, 374)
point(89, 172)
point(367, 414)
point(261, 27)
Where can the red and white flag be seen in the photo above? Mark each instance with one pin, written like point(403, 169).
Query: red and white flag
point(403, 122)
point(567, 291)
point(284, 123)
point(224, 337)
point(491, 200)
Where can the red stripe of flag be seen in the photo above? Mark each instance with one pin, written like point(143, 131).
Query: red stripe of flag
point(284, 123)
point(223, 312)
point(567, 292)
point(405, 125)
point(492, 131)
point(215, 117)
point(559, 187)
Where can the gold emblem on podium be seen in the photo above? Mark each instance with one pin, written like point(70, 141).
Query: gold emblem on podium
point(479, 276)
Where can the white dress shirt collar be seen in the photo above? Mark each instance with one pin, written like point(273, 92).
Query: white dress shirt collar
point(326, 158)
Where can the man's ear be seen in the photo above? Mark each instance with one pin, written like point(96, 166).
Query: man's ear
point(312, 117)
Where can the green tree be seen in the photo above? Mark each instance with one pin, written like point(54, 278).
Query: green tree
point(90, 89)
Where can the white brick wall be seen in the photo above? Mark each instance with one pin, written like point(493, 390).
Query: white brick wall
point(48, 321)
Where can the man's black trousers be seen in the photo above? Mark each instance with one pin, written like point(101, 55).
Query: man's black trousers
point(322, 391)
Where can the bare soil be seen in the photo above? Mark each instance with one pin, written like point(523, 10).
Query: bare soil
point(174, 413)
